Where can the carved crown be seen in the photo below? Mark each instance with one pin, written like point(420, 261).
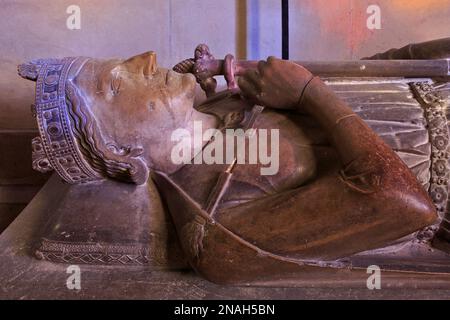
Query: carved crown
point(56, 148)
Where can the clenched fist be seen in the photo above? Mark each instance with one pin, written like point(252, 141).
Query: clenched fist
point(275, 84)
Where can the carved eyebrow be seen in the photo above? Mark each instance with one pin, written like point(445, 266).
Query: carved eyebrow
point(99, 86)
point(101, 74)
point(97, 78)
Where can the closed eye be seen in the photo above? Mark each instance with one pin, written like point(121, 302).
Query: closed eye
point(116, 81)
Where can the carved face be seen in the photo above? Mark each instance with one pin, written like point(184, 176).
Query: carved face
point(137, 104)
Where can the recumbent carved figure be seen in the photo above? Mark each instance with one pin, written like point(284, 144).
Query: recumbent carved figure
point(339, 190)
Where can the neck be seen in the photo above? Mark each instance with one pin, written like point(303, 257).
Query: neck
point(161, 160)
point(208, 121)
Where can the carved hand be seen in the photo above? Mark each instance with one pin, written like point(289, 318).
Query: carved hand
point(275, 84)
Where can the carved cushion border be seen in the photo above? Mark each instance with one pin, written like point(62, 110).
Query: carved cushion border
point(98, 253)
point(435, 107)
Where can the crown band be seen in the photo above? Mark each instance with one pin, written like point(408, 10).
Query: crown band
point(56, 148)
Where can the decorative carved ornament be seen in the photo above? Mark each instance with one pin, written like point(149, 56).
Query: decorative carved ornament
point(39, 158)
point(56, 147)
point(435, 108)
point(96, 253)
point(68, 143)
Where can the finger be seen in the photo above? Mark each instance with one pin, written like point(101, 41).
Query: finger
point(262, 67)
point(248, 89)
point(253, 77)
point(272, 59)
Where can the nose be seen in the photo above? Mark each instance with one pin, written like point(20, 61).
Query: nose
point(151, 66)
point(144, 63)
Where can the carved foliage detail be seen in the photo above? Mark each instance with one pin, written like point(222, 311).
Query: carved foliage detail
point(29, 70)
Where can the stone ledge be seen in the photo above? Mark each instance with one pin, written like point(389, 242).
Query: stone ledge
point(24, 277)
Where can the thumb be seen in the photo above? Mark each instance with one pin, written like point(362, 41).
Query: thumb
point(272, 59)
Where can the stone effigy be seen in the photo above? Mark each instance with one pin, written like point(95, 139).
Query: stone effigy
point(356, 159)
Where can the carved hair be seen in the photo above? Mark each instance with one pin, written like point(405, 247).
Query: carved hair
point(107, 159)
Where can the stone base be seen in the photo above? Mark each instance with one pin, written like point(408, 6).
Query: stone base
point(106, 223)
point(22, 276)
